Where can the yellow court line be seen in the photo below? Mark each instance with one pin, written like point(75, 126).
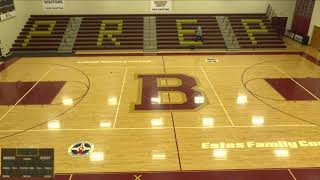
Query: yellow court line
point(26, 93)
point(214, 91)
point(110, 61)
point(250, 126)
point(158, 67)
point(295, 82)
point(150, 128)
point(292, 174)
point(117, 112)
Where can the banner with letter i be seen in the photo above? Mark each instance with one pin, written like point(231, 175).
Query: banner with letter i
point(53, 5)
point(161, 6)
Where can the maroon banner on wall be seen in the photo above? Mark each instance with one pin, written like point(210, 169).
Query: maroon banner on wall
point(302, 16)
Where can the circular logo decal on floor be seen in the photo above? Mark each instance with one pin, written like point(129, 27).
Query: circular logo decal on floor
point(81, 149)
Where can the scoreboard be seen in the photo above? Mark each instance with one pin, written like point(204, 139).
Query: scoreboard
point(7, 9)
point(27, 163)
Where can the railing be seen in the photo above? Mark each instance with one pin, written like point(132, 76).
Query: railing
point(270, 12)
point(5, 49)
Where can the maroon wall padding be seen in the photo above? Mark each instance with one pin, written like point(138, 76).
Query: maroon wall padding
point(302, 16)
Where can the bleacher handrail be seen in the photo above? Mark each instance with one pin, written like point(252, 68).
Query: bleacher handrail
point(268, 9)
point(270, 13)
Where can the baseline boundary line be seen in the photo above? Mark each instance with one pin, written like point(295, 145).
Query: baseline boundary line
point(158, 128)
point(292, 174)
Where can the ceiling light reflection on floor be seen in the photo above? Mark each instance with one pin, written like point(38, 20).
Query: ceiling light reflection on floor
point(112, 101)
point(242, 99)
point(257, 120)
point(207, 122)
point(96, 156)
point(54, 125)
point(220, 154)
point(155, 100)
point(67, 101)
point(158, 155)
point(105, 124)
point(199, 99)
point(281, 152)
point(157, 122)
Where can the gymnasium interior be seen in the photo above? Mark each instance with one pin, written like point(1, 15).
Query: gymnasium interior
point(160, 89)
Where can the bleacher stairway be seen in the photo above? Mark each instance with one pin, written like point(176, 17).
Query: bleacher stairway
point(229, 37)
point(70, 35)
point(149, 33)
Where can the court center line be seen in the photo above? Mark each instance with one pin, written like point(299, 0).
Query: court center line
point(295, 81)
point(121, 92)
point(292, 174)
point(172, 119)
point(148, 128)
point(26, 93)
point(214, 91)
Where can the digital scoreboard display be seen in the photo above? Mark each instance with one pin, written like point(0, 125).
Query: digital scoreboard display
point(27, 163)
point(7, 9)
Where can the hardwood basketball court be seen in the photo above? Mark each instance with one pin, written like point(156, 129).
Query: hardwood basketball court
point(243, 115)
point(159, 90)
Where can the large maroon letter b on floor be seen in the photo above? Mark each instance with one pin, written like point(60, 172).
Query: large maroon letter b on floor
point(151, 90)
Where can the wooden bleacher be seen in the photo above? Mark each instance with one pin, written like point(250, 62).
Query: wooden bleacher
point(255, 31)
point(125, 32)
point(110, 32)
point(41, 33)
point(169, 36)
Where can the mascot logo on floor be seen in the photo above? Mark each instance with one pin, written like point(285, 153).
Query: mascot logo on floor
point(81, 149)
point(185, 85)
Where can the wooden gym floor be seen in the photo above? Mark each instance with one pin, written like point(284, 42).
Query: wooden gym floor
point(142, 114)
